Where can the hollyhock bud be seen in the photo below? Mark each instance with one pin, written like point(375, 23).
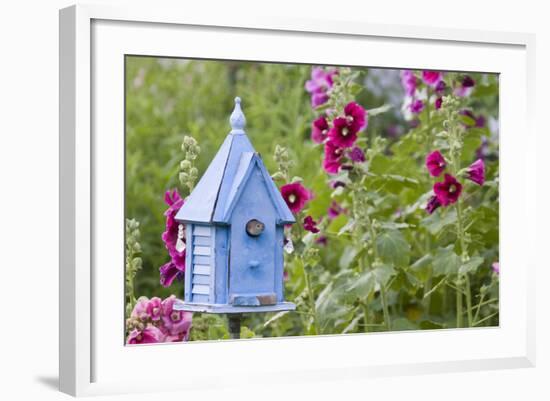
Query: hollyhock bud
point(476, 172)
point(432, 204)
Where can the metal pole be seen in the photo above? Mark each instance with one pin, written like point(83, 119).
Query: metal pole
point(234, 320)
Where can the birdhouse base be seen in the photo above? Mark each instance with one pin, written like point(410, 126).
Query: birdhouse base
point(227, 308)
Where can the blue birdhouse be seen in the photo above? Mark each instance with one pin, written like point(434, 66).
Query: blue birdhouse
point(234, 221)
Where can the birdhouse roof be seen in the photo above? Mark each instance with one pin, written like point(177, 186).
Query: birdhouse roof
point(218, 190)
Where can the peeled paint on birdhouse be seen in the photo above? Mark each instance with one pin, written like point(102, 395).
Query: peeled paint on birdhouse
point(234, 221)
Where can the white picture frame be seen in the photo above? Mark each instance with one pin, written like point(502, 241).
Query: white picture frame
point(95, 361)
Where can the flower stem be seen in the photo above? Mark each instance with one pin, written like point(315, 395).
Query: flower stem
point(458, 308)
point(365, 307)
point(469, 301)
point(385, 309)
point(311, 300)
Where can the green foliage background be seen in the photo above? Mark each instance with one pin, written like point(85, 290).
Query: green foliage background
point(169, 98)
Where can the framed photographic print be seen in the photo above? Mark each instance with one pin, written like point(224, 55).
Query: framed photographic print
point(241, 196)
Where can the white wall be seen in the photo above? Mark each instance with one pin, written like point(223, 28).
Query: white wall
point(29, 185)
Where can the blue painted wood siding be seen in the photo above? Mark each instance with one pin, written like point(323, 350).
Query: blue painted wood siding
point(252, 259)
point(202, 277)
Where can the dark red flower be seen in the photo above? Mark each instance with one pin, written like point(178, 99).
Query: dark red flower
point(435, 163)
point(479, 121)
point(319, 130)
point(357, 155)
point(440, 87)
point(296, 196)
point(468, 81)
point(448, 191)
point(322, 240)
point(476, 172)
point(438, 102)
point(310, 225)
point(433, 204)
point(341, 134)
point(333, 157)
point(416, 106)
point(356, 116)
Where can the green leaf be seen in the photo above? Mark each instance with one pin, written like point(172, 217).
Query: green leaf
point(471, 265)
point(421, 268)
point(393, 248)
point(348, 256)
point(437, 221)
point(371, 280)
point(446, 261)
point(379, 110)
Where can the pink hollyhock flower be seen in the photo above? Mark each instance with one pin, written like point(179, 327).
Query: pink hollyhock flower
point(431, 78)
point(448, 191)
point(341, 134)
point(356, 116)
point(435, 163)
point(465, 87)
point(170, 235)
point(496, 267)
point(409, 82)
point(310, 225)
point(416, 106)
point(357, 155)
point(296, 196)
point(333, 157)
point(438, 102)
point(171, 271)
point(432, 204)
point(476, 172)
point(140, 309)
point(440, 87)
point(175, 322)
point(319, 130)
point(149, 335)
point(318, 86)
point(334, 210)
point(154, 308)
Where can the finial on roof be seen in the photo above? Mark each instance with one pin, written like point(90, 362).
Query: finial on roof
point(237, 119)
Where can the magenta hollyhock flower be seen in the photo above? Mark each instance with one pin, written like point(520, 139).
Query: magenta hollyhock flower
point(333, 157)
point(448, 191)
point(175, 322)
point(296, 196)
point(435, 163)
point(465, 87)
point(433, 203)
point(319, 130)
point(318, 86)
point(416, 106)
point(334, 210)
point(476, 172)
point(357, 155)
point(149, 335)
point(341, 134)
point(409, 82)
point(431, 78)
point(496, 267)
point(438, 102)
point(310, 225)
point(154, 308)
point(171, 271)
point(170, 235)
point(440, 87)
point(140, 309)
point(356, 116)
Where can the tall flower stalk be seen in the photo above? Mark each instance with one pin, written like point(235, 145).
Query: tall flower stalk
point(133, 262)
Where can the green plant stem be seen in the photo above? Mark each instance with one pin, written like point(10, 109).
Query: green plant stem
point(365, 308)
point(478, 307)
point(458, 308)
point(311, 300)
point(469, 301)
point(385, 309)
